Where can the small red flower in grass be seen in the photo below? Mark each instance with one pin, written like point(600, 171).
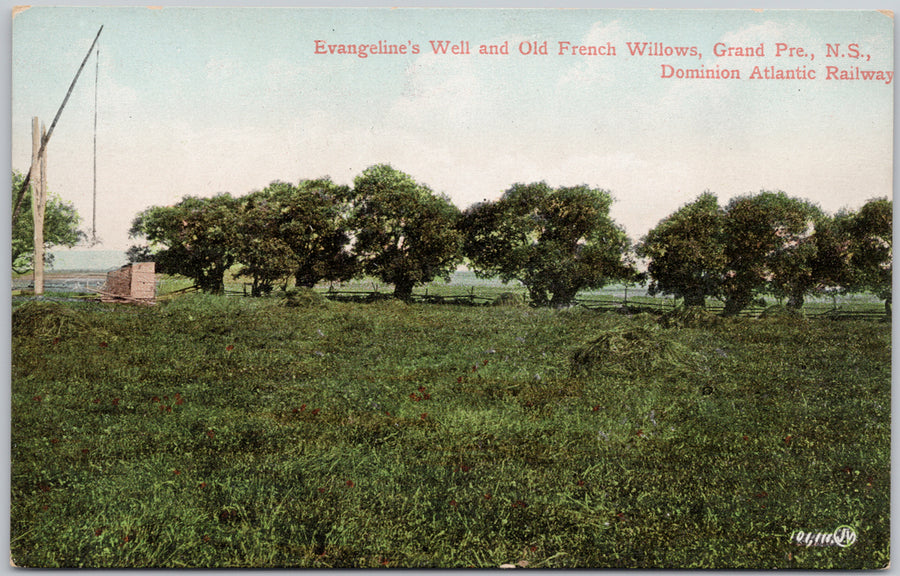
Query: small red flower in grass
point(322, 490)
point(314, 412)
point(465, 468)
point(56, 340)
point(580, 482)
point(294, 410)
point(229, 348)
point(453, 503)
point(421, 388)
point(746, 437)
point(519, 504)
point(787, 440)
point(350, 484)
point(84, 450)
point(426, 397)
point(640, 432)
point(37, 398)
point(595, 408)
point(302, 407)
point(176, 472)
point(203, 485)
point(104, 345)
point(474, 368)
point(459, 380)
point(211, 434)
point(414, 397)
point(98, 531)
point(127, 538)
point(115, 402)
point(424, 415)
point(155, 399)
point(487, 496)
point(179, 401)
point(206, 538)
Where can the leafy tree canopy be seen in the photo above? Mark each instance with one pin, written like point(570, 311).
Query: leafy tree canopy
point(769, 245)
point(405, 234)
point(60, 227)
point(554, 241)
point(871, 248)
point(687, 252)
point(191, 238)
point(286, 230)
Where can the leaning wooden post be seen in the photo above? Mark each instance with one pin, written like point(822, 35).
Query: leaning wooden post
point(38, 201)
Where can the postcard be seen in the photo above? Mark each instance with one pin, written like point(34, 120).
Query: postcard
point(451, 288)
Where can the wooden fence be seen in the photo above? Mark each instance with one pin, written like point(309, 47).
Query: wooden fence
point(632, 305)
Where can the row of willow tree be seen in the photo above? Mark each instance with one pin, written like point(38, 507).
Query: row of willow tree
point(555, 241)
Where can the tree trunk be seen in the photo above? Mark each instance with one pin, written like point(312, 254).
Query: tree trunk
point(212, 283)
point(403, 289)
point(694, 299)
point(305, 280)
point(737, 302)
point(538, 297)
point(795, 301)
point(562, 298)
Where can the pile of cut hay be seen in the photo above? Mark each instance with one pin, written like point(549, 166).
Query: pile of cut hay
point(689, 317)
point(632, 349)
point(36, 319)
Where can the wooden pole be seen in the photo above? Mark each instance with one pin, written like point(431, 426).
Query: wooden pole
point(38, 201)
point(52, 126)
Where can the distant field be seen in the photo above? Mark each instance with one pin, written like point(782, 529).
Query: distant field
point(216, 432)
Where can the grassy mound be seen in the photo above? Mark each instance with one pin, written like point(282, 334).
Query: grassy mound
point(631, 348)
point(303, 298)
point(508, 299)
point(37, 319)
point(781, 312)
point(689, 317)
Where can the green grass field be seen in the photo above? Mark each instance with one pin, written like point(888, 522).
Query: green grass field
point(236, 432)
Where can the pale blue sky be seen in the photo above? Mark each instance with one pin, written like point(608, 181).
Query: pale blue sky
point(205, 100)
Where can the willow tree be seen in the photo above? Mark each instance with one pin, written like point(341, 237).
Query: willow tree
point(686, 252)
point(769, 241)
point(404, 233)
point(193, 238)
point(556, 242)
